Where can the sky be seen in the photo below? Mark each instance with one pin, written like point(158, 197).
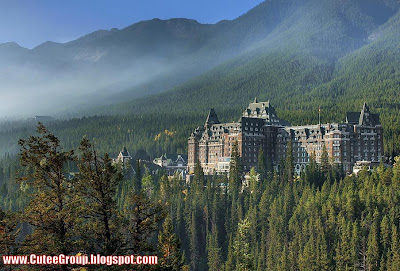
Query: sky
point(32, 22)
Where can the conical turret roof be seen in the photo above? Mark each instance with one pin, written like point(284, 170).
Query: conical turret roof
point(212, 118)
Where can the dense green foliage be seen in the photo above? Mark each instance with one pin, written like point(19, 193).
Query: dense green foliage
point(79, 214)
point(315, 223)
point(333, 54)
point(303, 54)
point(320, 221)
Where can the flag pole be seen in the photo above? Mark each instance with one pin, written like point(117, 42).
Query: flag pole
point(319, 115)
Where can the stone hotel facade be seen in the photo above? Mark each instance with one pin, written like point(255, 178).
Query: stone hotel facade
point(359, 138)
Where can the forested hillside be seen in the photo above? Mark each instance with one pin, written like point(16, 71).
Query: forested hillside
point(304, 54)
point(109, 66)
point(329, 54)
point(300, 55)
point(321, 221)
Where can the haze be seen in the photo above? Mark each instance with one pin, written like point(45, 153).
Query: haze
point(53, 77)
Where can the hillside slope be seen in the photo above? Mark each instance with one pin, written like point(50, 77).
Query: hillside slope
point(148, 57)
point(333, 54)
point(330, 53)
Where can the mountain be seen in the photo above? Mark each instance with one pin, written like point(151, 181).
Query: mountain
point(298, 54)
point(110, 66)
point(302, 52)
point(333, 54)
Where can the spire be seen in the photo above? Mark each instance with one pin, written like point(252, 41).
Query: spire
point(319, 115)
point(125, 152)
point(365, 107)
point(364, 116)
point(211, 118)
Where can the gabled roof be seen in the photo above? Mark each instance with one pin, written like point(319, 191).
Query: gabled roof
point(172, 157)
point(352, 117)
point(141, 155)
point(263, 110)
point(363, 118)
point(211, 118)
point(124, 152)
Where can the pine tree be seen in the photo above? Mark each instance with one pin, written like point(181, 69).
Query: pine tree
point(9, 231)
point(394, 257)
point(235, 185)
point(194, 241)
point(137, 184)
point(312, 173)
point(289, 164)
point(169, 248)
point(165, 189)
point(242, 249)
point(262, 165)
point(54, 205)
point(98, 181)
point(343, 257)
point(235, 172)
point(325, 165)
point(308, 257)
point(355, 246)
point(198, 174)
point(373, 256)
point(385, 234)
point(230, 261)
point(396, 173)
point(214, 251)
point(143, 217)
point(254, 187)
point(148, 185)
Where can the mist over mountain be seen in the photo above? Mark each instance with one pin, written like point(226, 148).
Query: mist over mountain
point(306, 52)
point(298, 54)
point(111, 66)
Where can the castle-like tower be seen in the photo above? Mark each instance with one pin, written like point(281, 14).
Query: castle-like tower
point(360, 138)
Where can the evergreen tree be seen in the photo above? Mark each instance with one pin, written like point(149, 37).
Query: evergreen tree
point(325, 165)
point(355, 246)
point(242, 249)
point(289, 164)
point(262, 165)
point(235, 170)
point(9, 231)
point(98, 181)
point(312, 172)
point(214, 251)
point(54, 205)
point(143, 217)
point(230, 261)
point(254, 188)
point(169, 248)
point(343, 257)
point(198, 178)
point(385, 234)
point(394, 256)
point(194, 242)
point(165, 189)
point(235, 185)
point(373, 256)
point(396, 172)
point(148, 184)
point(137, 187)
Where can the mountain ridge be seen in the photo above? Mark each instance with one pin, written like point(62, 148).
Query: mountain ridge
point(298, 54)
